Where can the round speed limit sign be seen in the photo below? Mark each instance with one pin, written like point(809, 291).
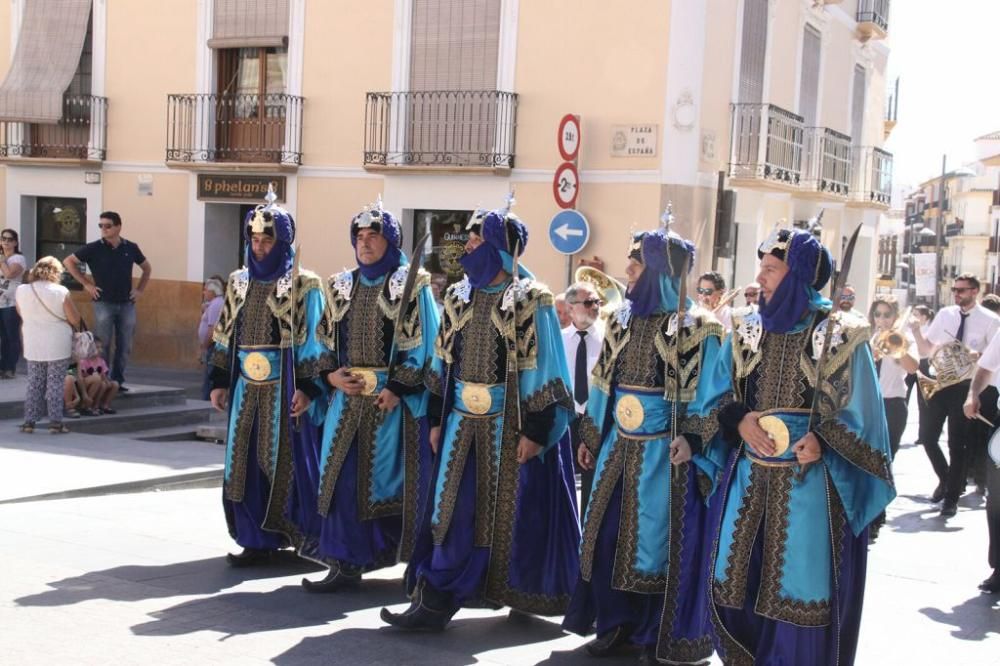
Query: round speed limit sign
point(565, 185)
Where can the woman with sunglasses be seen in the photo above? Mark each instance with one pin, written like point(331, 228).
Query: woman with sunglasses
point(892, 372)
point(12, 267)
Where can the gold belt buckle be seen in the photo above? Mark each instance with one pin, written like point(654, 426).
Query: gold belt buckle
point(629, 412)
point(368, 377)
point(256, 366)
point(477, 398)
point(777, 431)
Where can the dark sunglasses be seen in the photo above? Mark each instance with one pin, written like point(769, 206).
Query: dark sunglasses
point(706, 291)
point(106, 225)
point(959, 290)
point(748, 294)
point(589, 302)
point(884, 315)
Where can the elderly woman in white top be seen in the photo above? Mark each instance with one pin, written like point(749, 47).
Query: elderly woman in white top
point(48, 317)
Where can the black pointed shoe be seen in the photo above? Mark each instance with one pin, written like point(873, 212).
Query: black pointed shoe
point(250, 557)
point(339, 577)
point(991, 584)
point(608, 642)
point(430, 611)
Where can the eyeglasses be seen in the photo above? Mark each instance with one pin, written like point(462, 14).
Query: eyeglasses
point(105, 225)
point(959, 290)
point(8, 238)
point(706, 291)
point(589, 302)
point(847, 297)
point(749, 294)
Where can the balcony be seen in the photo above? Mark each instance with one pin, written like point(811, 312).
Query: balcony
point(80, 136)
point(239, 131)
point(767, 145)
point(465, 130)
point(828, 161)
point(872, 176)
point(873, 19)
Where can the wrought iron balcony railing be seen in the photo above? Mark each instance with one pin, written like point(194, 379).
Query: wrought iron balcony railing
point(235, 128)
point(828, 161)
point(81, 133)
point(874, 12)
point(767, 143)
point(440, 128)
point(872, 170)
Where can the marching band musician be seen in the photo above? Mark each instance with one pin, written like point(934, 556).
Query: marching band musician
point(973, 326)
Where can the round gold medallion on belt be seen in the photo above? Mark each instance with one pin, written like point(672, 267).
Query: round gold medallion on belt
point(368, 377)
point(256, 366)
point(777, 431)
point(477, 398)
point(629, 412)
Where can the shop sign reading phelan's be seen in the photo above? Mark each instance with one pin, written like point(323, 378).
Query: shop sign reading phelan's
point(238, 187)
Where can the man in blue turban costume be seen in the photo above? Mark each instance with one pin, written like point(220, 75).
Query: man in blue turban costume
point(266, 372)
point(501, 526)
point(643, 556)
point(373, 456)
point(800, 493)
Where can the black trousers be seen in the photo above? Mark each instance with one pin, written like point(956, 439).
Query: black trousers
point(993, 513)
point(895, 416)
point(586, 475)
point(966, 438)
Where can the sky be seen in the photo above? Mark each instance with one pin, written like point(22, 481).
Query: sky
point(945, 53)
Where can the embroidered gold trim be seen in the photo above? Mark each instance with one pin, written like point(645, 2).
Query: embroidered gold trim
point(625, 574)
point(600, 497)
point(853, 449)
point(731, 590)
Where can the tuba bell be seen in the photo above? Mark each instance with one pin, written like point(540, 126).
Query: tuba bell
point(952, 363)
point(611, 291)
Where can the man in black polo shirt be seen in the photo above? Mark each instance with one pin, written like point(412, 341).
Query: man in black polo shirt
point(110, 260)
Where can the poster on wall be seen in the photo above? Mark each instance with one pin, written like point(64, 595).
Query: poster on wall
point(925, 273)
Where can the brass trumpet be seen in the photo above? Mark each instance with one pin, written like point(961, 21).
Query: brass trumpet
point(892, 343)
point(611, 291)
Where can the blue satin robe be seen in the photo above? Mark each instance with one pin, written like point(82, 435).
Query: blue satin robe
point(644, 551)
point(499, 533)
point(270, 464)
point(373, 466)
point(788, 571)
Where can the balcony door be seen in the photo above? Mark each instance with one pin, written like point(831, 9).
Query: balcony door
point(250, 113)
point(70, 136)
point(452, 109)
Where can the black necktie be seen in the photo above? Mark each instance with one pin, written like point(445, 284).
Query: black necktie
point(580, 388)
point(960, 336)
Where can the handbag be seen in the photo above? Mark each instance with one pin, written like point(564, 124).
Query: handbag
point(83, 344)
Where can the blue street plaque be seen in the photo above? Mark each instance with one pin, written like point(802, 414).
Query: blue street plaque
point(569, 231)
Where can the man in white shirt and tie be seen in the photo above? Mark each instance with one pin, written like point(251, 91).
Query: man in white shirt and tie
point(582, 340)
point(974, 326)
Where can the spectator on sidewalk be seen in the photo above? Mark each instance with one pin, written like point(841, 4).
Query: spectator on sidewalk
point(12, 267)
point(110, 260)
point(49, 317)
point(211, 309)
point(99, 388)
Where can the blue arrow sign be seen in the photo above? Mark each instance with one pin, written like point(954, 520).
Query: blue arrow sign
point(569, 231)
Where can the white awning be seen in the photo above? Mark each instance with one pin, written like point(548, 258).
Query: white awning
point(241, 23)
point(48, 53)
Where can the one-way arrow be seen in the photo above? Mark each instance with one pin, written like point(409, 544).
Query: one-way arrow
point(565, 232)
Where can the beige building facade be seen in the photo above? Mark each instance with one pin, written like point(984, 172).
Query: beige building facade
point(179, 112)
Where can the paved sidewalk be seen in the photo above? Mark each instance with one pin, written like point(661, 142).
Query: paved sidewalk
point(140, 578)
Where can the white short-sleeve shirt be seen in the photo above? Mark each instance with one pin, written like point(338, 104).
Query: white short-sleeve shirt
point(980, 327)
